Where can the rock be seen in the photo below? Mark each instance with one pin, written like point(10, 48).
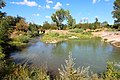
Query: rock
point(73, 37)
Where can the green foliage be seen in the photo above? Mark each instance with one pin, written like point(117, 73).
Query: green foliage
point(96, 24)
point(2, 4)
point(105, 24)
point(22, 38)
point(10, 20)
point(116, 26)
point(33, 29)
point(59, 16)
point(22, 25)
point(68, 72)
point(111, 73)
point(116, 12)
point(4, 31)
point(85, 26)
point(71, 22)
point(46, 25)
point(54, 37)
point(77, 30)
point(20, 41)
point(27, 73)
point(1, 54)
point(53, 34)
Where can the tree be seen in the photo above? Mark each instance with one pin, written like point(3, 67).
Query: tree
point(3, 32)
point(46, 25)
point(34, 29)
point(105, 24)
point(71, 22)
point(116, 14)
point(22, 25)
point(2, 4)
point(96, 24)
point(11, 20)
point(59, 16)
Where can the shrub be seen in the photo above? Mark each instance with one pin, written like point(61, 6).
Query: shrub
point(27, 73)
point(53, 34)
point(68, 72)
point(111, 73)
point(76, 30)
point(1, 54)
point(22, 38)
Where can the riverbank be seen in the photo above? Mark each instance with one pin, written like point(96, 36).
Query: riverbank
point(111, 37)
point(55, 36)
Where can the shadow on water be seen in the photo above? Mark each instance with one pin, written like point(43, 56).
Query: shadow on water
point(88, 52)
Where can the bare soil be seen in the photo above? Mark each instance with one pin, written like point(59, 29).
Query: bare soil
point(111, 37)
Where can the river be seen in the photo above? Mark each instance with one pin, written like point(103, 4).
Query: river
point(87, 52)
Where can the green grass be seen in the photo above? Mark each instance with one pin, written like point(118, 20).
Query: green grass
point(54, 36)
point(77, 30)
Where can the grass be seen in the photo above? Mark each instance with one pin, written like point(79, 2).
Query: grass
point(54, 37)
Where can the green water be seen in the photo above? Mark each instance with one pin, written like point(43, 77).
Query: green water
point(88, 52)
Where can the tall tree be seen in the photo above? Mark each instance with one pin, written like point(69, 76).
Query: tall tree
point(105, 24)
point(22, 25)
point(97, 23)
point(59, 16)
point(2, 4)
point(116, 12)
point(71, 22)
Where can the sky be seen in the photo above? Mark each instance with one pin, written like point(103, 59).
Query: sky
point(39, 11)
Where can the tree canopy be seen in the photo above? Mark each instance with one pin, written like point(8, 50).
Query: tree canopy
point(59, 16)
point(116, 12)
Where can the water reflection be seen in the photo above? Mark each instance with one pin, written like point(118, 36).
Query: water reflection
point(92, 52)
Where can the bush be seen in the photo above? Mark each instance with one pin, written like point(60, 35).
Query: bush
point(68, 72)
point(1, 54)
point(22, 38)
point(53, 34)
point(27, 73)
point(111, 73)
point(76, 30)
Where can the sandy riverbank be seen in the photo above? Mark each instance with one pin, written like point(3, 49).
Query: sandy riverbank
point(111, 37)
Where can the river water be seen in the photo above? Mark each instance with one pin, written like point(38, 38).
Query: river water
point(88, 52)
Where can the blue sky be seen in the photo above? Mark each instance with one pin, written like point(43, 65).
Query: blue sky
point(38, 11)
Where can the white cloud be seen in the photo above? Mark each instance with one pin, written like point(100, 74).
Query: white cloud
point(94, 1)
point(67, 4)
point(57, 6)
point(49, 2)
point(96, 16)
point(26, 2)
point(47, 17)
point(39, 6)
point(47, 6)
point(36, 14)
